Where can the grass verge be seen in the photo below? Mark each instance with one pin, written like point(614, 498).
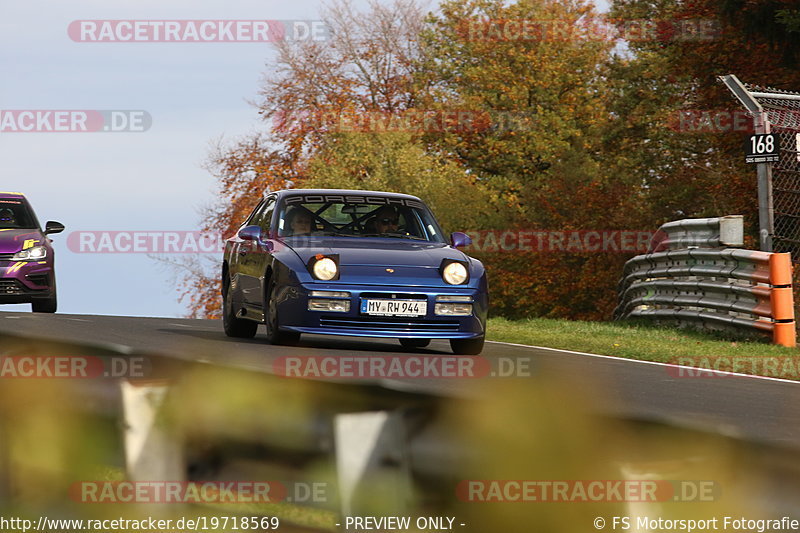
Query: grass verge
point(651, 343)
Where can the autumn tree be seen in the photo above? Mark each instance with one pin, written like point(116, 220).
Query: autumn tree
point(535, 67)
point(694, 167)
point(366, 65)
point(559, 127)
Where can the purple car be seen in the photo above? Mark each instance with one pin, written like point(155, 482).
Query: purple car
point(27, 262)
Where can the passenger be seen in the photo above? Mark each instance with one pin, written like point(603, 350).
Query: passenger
point(386, 220)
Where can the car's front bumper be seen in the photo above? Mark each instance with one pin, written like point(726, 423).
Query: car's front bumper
point(25, 281)
point(295, 316)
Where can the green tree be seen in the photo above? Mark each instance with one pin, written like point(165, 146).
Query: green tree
point(395, 161)
point(543, 90)
point(547, 94)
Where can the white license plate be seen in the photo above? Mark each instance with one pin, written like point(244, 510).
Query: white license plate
point(394, 307)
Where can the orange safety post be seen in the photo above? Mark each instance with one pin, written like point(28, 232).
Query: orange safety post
point(782, 300)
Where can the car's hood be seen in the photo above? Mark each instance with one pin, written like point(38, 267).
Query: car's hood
point(377, 252)
point(12, 240)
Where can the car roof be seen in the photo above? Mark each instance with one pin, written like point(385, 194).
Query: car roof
point(14, 195)
point(349, 192)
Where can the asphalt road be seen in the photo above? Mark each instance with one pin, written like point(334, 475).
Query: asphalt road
point(759, 410)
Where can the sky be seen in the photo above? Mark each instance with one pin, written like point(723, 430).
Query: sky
point(153, 180)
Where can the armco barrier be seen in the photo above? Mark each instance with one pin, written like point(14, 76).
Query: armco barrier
point(699, 232)
point(717, 287)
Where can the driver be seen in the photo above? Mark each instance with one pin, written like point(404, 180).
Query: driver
point(7, 217)
point(299, 221)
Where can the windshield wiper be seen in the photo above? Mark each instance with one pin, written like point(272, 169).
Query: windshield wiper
point(328, 233)
point(394, 235)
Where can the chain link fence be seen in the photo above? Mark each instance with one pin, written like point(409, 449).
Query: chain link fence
point(782, 110)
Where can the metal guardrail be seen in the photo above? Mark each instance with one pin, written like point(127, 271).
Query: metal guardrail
point(687, 277)
point(699, 232)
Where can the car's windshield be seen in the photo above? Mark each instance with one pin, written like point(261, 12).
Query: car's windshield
point(357, 216)
point(14, 214)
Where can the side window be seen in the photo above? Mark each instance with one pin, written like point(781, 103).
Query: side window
point(266, 216)
point(255, 215)
point(262, 214)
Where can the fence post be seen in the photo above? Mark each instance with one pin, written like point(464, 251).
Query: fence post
point(766, 211)
point(781, 299)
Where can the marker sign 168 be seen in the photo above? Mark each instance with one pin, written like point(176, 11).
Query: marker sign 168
point(762, 148)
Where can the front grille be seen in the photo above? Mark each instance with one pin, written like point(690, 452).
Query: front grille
point(11, 286)
point(388, 324)
point(6, 257)
point(391, 295)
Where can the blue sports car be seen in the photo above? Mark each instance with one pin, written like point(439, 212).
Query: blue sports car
point(360, 263)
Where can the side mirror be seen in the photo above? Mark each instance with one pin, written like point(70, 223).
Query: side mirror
point(250, 233)
point(53, 227)
point(460, 239)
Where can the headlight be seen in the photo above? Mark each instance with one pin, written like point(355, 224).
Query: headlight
point(340, 306)
point(325, 269)
point(31, 254)
point(451, 309)
point(454, 273)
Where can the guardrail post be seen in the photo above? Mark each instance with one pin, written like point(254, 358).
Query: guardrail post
point(153, 451)
point(372, 463)
point(782, 300)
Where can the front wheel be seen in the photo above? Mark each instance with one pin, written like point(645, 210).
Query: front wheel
point(46, 305)
point(274, 334)
point(234, 326)
point(467, 346)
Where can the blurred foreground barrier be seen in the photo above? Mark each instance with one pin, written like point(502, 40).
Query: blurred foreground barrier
point(689, 276)
point(187, 434)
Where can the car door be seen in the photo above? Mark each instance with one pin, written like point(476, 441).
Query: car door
point(254, 256)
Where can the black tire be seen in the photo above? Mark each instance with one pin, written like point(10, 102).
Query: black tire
point(275, 335)
point(235, 327)
point(46, 305)
point(414, 343)
point(467, 346)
